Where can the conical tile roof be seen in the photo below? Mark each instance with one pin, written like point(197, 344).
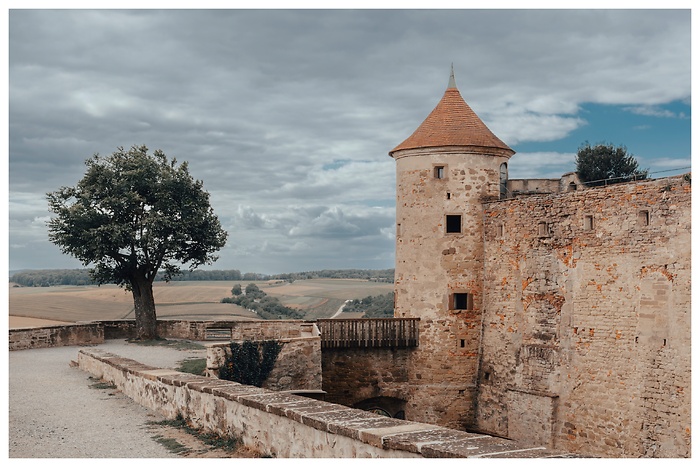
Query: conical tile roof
point(452, 123)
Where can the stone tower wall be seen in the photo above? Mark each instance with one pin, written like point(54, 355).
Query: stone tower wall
point(586, 331)
point(432, 265)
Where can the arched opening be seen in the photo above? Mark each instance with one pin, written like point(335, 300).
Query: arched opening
point(387, 406)
point(503, 181)
point(572, 186)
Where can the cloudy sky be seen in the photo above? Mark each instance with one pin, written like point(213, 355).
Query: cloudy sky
point(287, 116)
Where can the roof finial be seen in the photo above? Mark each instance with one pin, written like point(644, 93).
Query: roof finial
point(451, 83)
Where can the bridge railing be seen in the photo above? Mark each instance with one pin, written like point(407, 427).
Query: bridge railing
point(368, 333)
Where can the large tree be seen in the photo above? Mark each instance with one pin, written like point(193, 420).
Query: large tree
point(131, 215)
point(605, 164)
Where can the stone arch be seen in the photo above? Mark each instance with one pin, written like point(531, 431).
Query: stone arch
point(388, 406)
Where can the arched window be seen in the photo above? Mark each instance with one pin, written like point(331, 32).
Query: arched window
point(504, 181)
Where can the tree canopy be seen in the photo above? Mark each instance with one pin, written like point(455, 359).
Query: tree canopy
point(258, 301)
point(605, 164)
point(131, 216)
point(378, 306)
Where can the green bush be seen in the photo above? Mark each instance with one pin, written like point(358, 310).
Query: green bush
point(250, 362)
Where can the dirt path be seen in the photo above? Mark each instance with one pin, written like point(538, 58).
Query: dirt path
point(58, 411)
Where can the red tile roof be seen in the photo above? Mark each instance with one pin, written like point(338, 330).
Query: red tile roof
point(452, 123)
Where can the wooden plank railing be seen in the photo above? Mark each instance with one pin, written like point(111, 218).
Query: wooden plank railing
point(368, 333)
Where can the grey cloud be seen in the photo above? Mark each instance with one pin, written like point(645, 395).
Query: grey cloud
point(264, 103)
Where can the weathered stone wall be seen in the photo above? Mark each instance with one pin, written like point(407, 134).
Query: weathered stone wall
point(286, 425)
point(586, 331)
point(351, 376)
point(432, 265)
point(96, 332)
point(298, 365)
point(56, 336)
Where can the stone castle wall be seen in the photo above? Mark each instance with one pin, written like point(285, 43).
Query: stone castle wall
point(56, 336)
point(351, 376)
point(285, 425)
point(432, 264)
point(586, 325)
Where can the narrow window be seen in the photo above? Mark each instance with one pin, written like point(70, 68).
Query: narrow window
point(462, 301)
point(439, 171)
point(503, 181)
point(449, 195)
point(453, 223)
point(588, 223)
point(499, 230)
point(543, 229)
point(643, 218)
point(398, 230)
point(462, 343)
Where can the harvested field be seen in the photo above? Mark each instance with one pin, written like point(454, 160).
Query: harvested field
point(319, 298)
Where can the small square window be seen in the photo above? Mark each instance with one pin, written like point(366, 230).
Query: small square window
point(462, 301)
point(643, 218)
point(439, 171)
point(453, 223)
point(588, 223)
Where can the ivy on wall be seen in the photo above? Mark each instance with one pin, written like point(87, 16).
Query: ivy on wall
point(250, 362)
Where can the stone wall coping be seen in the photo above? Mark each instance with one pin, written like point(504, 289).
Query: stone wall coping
point(382, 432)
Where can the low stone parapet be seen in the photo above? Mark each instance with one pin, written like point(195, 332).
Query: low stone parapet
point(287, 425)
point(297, 366)
point(56, 336)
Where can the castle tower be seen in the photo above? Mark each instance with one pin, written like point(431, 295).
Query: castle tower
point(444, 170)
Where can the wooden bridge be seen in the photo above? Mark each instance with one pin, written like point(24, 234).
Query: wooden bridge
point(368, 333)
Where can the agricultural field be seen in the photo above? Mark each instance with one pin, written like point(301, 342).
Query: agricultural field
point(318, 298)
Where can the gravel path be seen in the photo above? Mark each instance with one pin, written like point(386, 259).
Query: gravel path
point(54, 412)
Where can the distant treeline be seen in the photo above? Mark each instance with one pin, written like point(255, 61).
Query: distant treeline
point(377, 275)
point(379, 306)
point(50, 277)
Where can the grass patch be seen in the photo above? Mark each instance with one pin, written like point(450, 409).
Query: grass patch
point(175, 344)
point(170, 444)
point(101, 384)
point(211, 439)
point(195, 366)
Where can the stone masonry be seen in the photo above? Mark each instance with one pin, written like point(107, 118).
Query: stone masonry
point(586, 333)
point(550, 313)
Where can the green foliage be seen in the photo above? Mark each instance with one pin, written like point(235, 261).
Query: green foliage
point(379, 306)
point(604, 164)
point(379, 275)
point(52, 277)
point(253, 291)
point(171, 444)
point(195, 366)
point(131, 216)
point(265, 306)
point(230, 444)
point(135, 213)
point(176, 344)
point(250, 362)
point(236, 290)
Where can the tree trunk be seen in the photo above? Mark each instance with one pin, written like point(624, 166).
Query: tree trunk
point(144, 308)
